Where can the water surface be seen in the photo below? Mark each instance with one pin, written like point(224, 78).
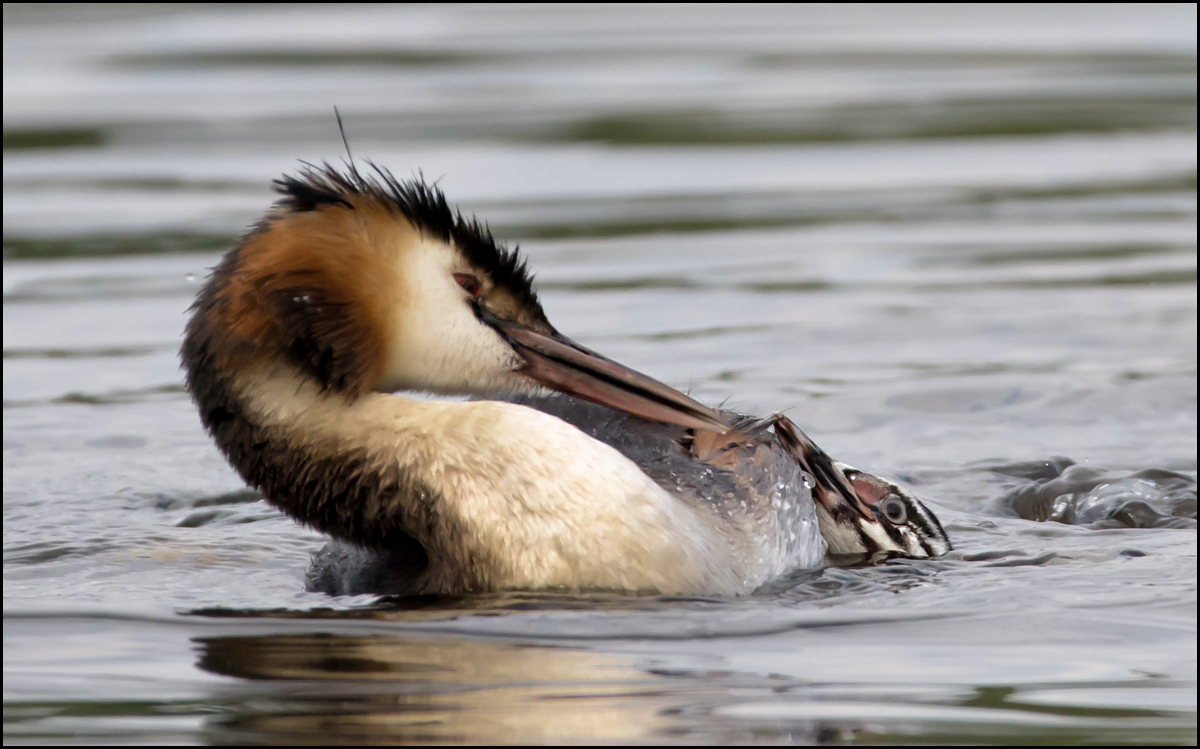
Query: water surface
point(956, 245)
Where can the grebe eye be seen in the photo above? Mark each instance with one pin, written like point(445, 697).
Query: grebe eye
point(469, 283)
point(894, 510)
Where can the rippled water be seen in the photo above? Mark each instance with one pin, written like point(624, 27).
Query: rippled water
point(956, 244)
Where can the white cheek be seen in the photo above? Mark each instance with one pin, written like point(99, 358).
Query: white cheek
point(880, 536)
point(439, 345)
point(912, 543)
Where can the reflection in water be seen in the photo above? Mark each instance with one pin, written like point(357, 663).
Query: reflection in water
point(820, 685)
point(393, 688)
point(389, 688)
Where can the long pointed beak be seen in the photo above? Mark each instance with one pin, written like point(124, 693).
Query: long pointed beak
point(563, 365)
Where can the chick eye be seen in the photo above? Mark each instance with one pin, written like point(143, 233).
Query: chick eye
point(469, 283)
point(893, 509)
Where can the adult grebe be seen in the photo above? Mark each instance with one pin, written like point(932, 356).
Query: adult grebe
point(354, 287)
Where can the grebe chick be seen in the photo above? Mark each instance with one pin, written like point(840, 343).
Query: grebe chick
point(354, 287)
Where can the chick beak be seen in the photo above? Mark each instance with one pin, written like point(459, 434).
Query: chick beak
point(563, 365)
point(833, 490)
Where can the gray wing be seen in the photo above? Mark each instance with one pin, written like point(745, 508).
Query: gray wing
point(749, 483)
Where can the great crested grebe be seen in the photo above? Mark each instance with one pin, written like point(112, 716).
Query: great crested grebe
point(354, 287)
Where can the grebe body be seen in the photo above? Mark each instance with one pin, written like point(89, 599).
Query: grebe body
point(571, 470)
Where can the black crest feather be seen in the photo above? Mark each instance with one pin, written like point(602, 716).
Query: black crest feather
point(423, 205)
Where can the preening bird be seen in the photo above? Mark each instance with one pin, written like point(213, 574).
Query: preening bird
point(567, 469)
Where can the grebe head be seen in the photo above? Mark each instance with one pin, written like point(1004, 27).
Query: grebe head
point(366, 283)
point(888, 519)
point(863, 515)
